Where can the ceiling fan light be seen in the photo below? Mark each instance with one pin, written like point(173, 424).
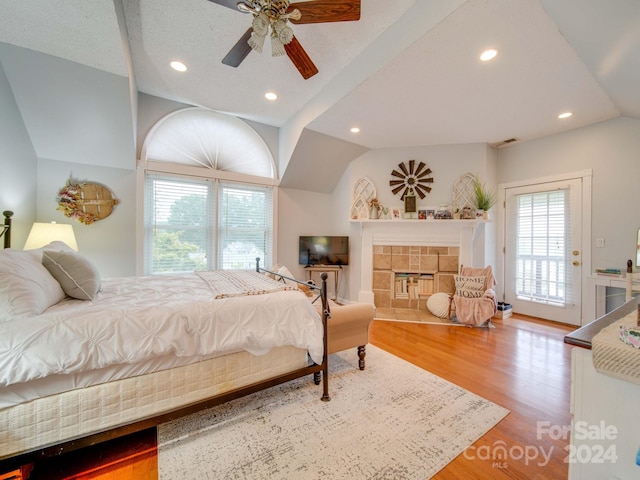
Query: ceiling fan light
point(284, 32)
point(260, 24)
point(277, 47)
point(256, 42)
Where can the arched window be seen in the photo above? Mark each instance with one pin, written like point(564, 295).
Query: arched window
point(209, 193)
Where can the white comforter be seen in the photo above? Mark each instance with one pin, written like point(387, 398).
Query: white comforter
point(134, 319)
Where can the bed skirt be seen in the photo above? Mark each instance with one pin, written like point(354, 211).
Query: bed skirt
point(55, 419)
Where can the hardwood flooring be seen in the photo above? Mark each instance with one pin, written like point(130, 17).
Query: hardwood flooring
point(522, 365)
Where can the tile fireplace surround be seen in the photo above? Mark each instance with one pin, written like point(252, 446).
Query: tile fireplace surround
point(435, 247)
point(393, 265)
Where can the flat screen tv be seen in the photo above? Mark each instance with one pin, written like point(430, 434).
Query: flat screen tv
point(324, 250)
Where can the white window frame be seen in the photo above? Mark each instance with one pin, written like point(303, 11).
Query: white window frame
point(197, 173)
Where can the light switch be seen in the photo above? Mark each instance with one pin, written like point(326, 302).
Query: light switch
point(600, 242)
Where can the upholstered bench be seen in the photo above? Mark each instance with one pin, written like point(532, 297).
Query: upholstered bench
point(348, 327)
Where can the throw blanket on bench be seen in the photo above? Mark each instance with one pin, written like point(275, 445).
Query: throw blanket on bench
point(237, 283)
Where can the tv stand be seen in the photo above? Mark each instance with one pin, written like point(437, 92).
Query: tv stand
point(336, 269)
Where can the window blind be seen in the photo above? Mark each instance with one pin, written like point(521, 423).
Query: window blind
point(542, 247)
point(199, 224)
point(245, 226)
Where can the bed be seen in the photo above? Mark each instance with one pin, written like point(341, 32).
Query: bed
point(91, 359)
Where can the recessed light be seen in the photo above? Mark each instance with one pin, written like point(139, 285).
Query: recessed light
point(271, 96)
point(565, 115)
point(178, 66)
point(355, 130)
point(489, 54)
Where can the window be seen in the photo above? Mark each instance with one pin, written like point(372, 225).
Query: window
point(542, 243)
point(181, 233)
point(209, 183)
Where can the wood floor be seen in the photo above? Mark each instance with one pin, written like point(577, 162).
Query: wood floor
point(522, 365)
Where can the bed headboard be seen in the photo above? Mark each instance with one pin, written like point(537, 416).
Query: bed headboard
point(5, 228)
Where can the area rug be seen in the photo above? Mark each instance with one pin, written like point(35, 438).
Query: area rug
point(392, 420)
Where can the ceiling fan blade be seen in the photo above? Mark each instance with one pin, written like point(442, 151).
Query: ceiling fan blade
point(395, 173)
point(239, 51)
point(396, 182)
point(404, 169)
point(421, 165)
point(320, 11)
point(300, 59)
point(412, 164)
point(227, 3)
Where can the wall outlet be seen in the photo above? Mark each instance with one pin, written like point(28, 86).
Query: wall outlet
point(600, 242)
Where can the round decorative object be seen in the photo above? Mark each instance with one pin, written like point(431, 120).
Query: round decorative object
point(438, 304)
point(86, 202)
point(411, 179)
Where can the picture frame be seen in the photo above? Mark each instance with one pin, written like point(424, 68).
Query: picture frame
point(410, 204)
point(395, 214)
point(422, 214)
point(431, 214)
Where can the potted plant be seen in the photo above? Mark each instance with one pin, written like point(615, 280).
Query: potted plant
point(485, 198)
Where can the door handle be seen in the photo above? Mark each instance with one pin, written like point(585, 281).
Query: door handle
point(576, 263)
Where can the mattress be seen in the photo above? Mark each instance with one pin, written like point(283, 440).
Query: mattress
point(137, 320)
point(57, 418)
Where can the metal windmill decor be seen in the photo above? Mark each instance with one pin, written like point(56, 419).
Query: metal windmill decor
point(411, 179)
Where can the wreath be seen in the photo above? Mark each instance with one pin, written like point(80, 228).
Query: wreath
point(70, 203)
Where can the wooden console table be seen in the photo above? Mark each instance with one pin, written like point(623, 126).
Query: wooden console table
point(335, 269)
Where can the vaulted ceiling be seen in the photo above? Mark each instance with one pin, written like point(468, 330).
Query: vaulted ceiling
point(407, 73)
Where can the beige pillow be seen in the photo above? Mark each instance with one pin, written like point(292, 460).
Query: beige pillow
point(78, 277)
point(26, 287)
point(438, 304)
point(469, 287)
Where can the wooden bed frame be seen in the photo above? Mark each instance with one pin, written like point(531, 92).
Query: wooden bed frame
point(13, 462)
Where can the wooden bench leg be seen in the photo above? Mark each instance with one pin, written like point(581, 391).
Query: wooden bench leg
point(361, 354)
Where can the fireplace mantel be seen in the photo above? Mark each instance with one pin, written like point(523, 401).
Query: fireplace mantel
point(427, 233)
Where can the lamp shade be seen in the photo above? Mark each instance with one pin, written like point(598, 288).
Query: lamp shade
point(42, 234)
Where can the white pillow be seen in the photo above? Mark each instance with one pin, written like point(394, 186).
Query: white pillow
point(56, 245)
point(78, 277)
point(285, 271)
point(469, 287)
point(26, 287)
point(438, 304)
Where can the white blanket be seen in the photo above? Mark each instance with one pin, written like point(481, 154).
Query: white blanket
point(137, 318)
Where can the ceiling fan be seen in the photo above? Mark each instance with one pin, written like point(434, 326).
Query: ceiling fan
point(271, 18)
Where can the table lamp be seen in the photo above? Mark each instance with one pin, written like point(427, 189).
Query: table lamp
point(42, 234)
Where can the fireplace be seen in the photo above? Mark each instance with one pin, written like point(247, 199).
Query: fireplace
point(432, 247)
point(404, 276)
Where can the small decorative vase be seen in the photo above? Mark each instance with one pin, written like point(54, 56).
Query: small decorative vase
point(485, 215)
point(374, 213)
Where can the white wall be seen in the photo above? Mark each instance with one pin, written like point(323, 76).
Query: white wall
point(18, 163)
point(447, 162)
point(108, 243)
point(303, 213)
point(612, 150)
